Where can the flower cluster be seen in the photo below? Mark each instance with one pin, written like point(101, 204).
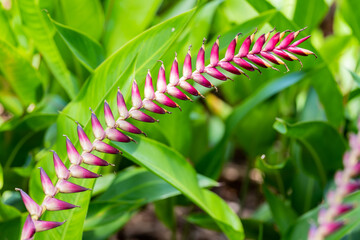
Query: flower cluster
point(345, 185)
point(260, 54)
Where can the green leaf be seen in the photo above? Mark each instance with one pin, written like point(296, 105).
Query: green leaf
point(356, 78)
point(350, 11)
point(125, 20)
point(164, 210)
point(22, 77)
point(324, 156)
point(282, 213)
point(6, 33)
point(309, 12)
point(174, 169)
point(211, 163)
point(203, 221)
point(39, 30)
point(132, 188)
point(89, 52)
point(86, 16)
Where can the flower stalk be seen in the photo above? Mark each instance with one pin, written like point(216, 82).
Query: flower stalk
point(345, 185)
point(261, 54)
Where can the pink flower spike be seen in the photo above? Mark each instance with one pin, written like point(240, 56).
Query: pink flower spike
point(91, 159)
point(122, 109)
point(117, 136)
point(214, 55)
point(153, 107)
point(189, 88)
point(174, 72)
point(41, 226)
point(244, 49)
point(272, 42)
point(258, 45)
point(85, 143)
point(141, 116)
point(105, 148)
point(260, 62)
point(53, 204)
point(109, 117)
point(47, 185)
point(149, 88)
point(300, 51)
point(28, 230)
point(80, 172)
point(128, 127)
point(215, 73)
point(312, 232)
point(200, 79)
point(287, 40)
point(33, 208)
point(245, 64)
point(300, 41)
point(73, 154)
point(98, 130)
point(165, 100)
point(175, 92)
point(231, 68)
point(350, 187)
point(69, 187)
point(61, 171)
point(230, 51)
point(161, 80)
point(200, 60)
point(341, 209)
point(355, 170)
point(187, 68)
point(339, 178)
point(322, 216)
point(135, 96)
point(329, 228)
point(272, 58)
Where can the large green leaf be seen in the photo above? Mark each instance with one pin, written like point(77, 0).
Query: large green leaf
point(174, 169)
point(86, 16)
point(89, 52)
point(211, 163)
point(22, 77)
point(38, 28)
point(132, 189)
point(125, 19)
point(323, 157)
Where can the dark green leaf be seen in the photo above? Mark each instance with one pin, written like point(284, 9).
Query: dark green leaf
point(324, 156)
point(89, 52)
point(39, 29)
point(23, 78)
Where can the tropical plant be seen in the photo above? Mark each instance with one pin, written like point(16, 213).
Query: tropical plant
point(60, 59)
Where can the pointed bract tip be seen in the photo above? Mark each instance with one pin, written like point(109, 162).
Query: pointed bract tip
point(189, 47)
point(203, 43)
point(160, 62)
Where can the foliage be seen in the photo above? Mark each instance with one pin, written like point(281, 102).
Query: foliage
point(58, 58)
